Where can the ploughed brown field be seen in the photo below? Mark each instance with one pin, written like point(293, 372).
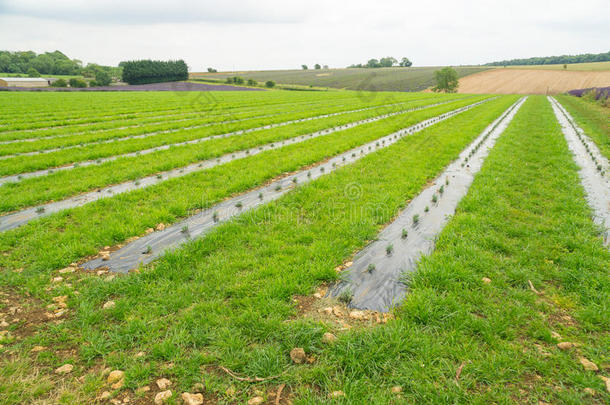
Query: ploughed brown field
point(531, 81)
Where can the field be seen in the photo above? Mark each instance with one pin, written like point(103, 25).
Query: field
point(589, 66)
point(532, 81)
point(382, 79)
point(304, 247)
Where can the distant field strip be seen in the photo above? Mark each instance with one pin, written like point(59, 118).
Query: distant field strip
point(138, 252)
point(20, 218)
point(39, 173)
point(594, 168)
point(375, 279)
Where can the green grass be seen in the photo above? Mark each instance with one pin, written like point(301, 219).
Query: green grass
point(226, 299)
point(592, 118)
point(384, 79)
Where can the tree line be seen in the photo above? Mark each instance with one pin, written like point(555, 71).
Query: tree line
point(154, 71)
point(50, 63)
point(388, 61)
point(555, 60)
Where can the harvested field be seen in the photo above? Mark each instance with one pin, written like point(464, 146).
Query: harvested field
point(531, 81)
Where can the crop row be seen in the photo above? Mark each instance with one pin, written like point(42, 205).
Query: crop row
point(169, 200)
point(216, 110)
point(327, 125)
point(63, 184)
point(189, 102)
point(247, 120)
point(21, 164)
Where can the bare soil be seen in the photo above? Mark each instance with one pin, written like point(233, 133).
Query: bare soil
point(531, 81)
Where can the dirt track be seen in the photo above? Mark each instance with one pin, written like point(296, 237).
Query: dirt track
point(530, 81)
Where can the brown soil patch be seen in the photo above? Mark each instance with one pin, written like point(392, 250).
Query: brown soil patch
point(531, 81)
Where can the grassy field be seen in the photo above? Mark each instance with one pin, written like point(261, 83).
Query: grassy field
point(519, 268)
point(382, 79)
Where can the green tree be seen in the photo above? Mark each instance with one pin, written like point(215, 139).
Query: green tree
point(269, 83)
point(77, 83)
point(317, 66)
point(59, 83)
point(446, 80)
point(252, 82)
point(33, 72)
point(304, 67)
point(102, 78)
point(373, 63)
point(387, 61)
point(405, 62)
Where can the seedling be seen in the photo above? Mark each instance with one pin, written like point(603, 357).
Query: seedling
point(415, 219)
point(294, 180)
point(260, 196)
point(346, 296)
point(215, 216)
point(239, 205)
point(159, 176)
point(278, 187)
point(40, 210)
point(434, 198)
point(447, 181)
point(185, 229)
point(441, 190)
point(389, 249)
point(370, 268)
point(308, 174)
point(404, 234)
point(137, 182)
point(322, 169)
point(426, 209)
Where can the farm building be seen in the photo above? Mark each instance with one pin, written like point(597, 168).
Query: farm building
point(24, 82)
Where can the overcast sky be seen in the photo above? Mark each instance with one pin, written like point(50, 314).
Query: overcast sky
point(279, 34)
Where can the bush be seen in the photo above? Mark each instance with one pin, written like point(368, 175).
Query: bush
point(93, 83)
point(238, 80)
point(102, 78)
point(77, 83)
point(59, 83)
point(33, 72)
point(148, 71)
point(269, 83)
point(252, 82)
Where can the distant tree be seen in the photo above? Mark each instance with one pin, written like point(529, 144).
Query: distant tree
point(102, 78)
point(229, 80)
point(565, 66)
point(325, 67)
point(269, 83)
point(304, 67)
point(446, 80)
point(252, 82)
point(405, 62)
point(77, 83)
point(212, 70)
point(59, 83)
point(373, 63)
point(388, 61)
point(33, 72)
point(317, 66)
